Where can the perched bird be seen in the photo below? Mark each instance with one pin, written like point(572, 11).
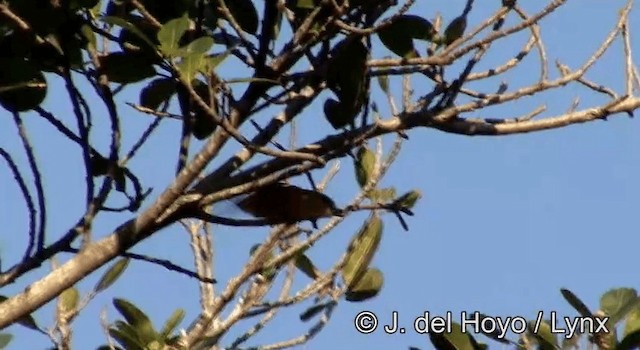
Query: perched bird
point(280, 203)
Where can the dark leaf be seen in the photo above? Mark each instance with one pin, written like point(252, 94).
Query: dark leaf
point(398, 37)
point(22, 86)
point(157, 92)
point(574, 301)
point(125, 68)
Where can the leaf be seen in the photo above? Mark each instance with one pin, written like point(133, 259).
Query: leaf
point(22, 86)
point(382, 194)
point(126, 335)
point(125, 68)
point(633, 322)
point(199, 46)
point(364, 164)
point(112, 20)
point(398, 36)
point(367, 287)
point(172, 322)
point(312, 311)
point(112, 274)
point(383, 81)
point(203, 123)
point(574, 301)
point(361, 250)
point(617, 303)
point(5, 339)
point(26, 321)
point(455, 30)
point(409, 199)
point(157, 92)
point(304, 264)
point(456, 340)
point(630, 341)
point(336, 114)
point(170, 34)
point(244, 13)
point(190, 65)
point(546, 339)
point(346, 77)
point(69, 299)
point(138, 320)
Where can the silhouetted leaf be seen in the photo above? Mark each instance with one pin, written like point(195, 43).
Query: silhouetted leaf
point(367, 287)
point(576, 302)
point(244, 13)
point(361, 250)
point(336, 114)
point(346, 77)
point(157, 92)
point(455, 30)
point(456, 340)
point(112, 274)
point(383, 81)
point(124, 68)
point(312, 311)
point(22, 86)
point(630, 341)
point(398, 37)
point(304, 264)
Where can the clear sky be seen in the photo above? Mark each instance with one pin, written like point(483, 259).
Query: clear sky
point(504, 223)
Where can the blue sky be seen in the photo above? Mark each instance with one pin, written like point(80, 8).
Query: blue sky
point(504, 223)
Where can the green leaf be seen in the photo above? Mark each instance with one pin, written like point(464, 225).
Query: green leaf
point(137, 319)
point(125, 68)
point(190, 65)
point(211, 62)
point(456, 340)
point(304, 264)
point(546, 339)
point(575, 302)
point(112, 274)
point(409, 199)
point(117, 21)
point(367, 287)
point(364, 164)
point(398, 36)
point(361, 250)
point(199, 46)
point(127, 336)
point(157, 92)
point(244, 13)
point(5, 339)
point(22, 86)
point(69, 299)
point(617, 303)
point(172, 322)
point(89, 35)
point(382, 194)
point(633, 322)
point(170, 34)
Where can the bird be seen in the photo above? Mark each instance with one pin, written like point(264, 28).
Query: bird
point(281, 203)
